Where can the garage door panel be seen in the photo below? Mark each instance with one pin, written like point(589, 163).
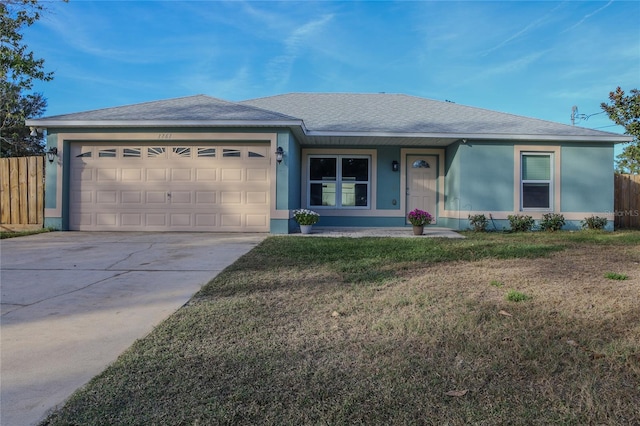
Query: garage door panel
point(164, 188)
point(131, 219)
point(131, 197)
point(82, 197)
point(106, 197)
point(255, 220)
point(206, 197)
point(231, 175)
point(132, 175)
point(257, 197)
point(230, 197)
point(180, 175)
point(156, 197)
point(231, 220)
point(107, 219)
point(206, 220)
point(156, 219)
point(156, 175)
point(82, 220)
point(180, 197)
point(206, 175)
point(82, 174)
point(180, 219)
point(107, 175)
point(257, 175)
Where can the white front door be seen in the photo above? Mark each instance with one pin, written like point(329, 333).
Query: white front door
point(421, 183)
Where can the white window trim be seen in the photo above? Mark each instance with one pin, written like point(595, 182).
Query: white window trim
point(338, 181)
point(346, 212)
point(554, 152)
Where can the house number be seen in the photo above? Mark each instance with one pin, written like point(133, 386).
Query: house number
point(164, 135)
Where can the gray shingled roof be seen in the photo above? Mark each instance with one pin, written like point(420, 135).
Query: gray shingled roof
point(331, 113)
point(187, 109)
point(336, 118)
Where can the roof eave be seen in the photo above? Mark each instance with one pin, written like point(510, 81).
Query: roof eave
point(56, 123)
point(477, 136)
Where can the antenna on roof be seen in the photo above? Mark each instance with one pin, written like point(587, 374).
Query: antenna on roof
point(575, 116)
point(574, 113)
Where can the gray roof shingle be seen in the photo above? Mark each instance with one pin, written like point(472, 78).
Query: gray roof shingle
point(398, 113)
point(191, 108)
point(335, 118)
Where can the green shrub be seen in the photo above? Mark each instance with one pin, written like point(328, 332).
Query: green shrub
point(520, 223)
point(594, 222)
point(616, 276)
point(552, 222)
point(516, 296)
point(479, 222)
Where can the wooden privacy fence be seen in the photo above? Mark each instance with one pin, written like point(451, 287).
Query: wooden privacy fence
point(21, 193)
point(627, 201)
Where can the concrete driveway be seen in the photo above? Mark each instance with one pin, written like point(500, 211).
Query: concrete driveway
point(73, 301)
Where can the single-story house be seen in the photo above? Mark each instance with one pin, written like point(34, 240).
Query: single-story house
point(204, 164)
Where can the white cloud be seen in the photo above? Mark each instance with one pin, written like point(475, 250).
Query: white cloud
point(279, 69)
point(587, 16)
point(530, 27)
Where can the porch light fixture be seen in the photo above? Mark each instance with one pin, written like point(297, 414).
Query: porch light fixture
point(52, 153)
point(421, 164)
point(279, 154)
point(395, 166)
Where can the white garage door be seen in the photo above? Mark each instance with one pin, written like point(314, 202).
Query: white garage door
point(177, 187)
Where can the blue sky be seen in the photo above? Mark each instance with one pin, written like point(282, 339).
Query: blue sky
point(536, 59)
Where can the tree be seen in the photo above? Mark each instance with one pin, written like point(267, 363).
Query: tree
point(18, 70)
point(624, 110)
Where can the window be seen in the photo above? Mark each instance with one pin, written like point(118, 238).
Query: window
point(339, 181)
point(257, 152)
point(536, 181)
point(155, 152)
point(181, 151)
point(228, 152)
point(132, 152)
point(206, 152)
point(107, 153)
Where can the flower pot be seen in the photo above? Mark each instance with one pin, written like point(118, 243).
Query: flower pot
point(305, 229)
point(418, 230)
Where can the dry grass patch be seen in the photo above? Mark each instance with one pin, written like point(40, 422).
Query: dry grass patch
point(381, 331)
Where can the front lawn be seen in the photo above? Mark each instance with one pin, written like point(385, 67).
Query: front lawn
point(492, 329)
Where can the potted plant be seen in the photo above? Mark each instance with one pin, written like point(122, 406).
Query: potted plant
point(419, 218)
point(306, 219)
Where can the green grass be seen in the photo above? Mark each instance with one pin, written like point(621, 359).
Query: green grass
point(517, 296)
point(381, 330)
point(15, 234)
point(616, 276)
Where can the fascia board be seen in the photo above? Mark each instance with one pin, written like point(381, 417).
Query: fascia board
point(157, 123)
point(478, 136)
point(43, 122)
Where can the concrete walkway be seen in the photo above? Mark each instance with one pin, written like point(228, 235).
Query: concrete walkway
point(73, 301)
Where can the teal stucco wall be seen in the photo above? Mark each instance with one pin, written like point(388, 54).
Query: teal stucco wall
point(485, 177)
point(587, 183)
point(288, 182)
point(388, 190)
